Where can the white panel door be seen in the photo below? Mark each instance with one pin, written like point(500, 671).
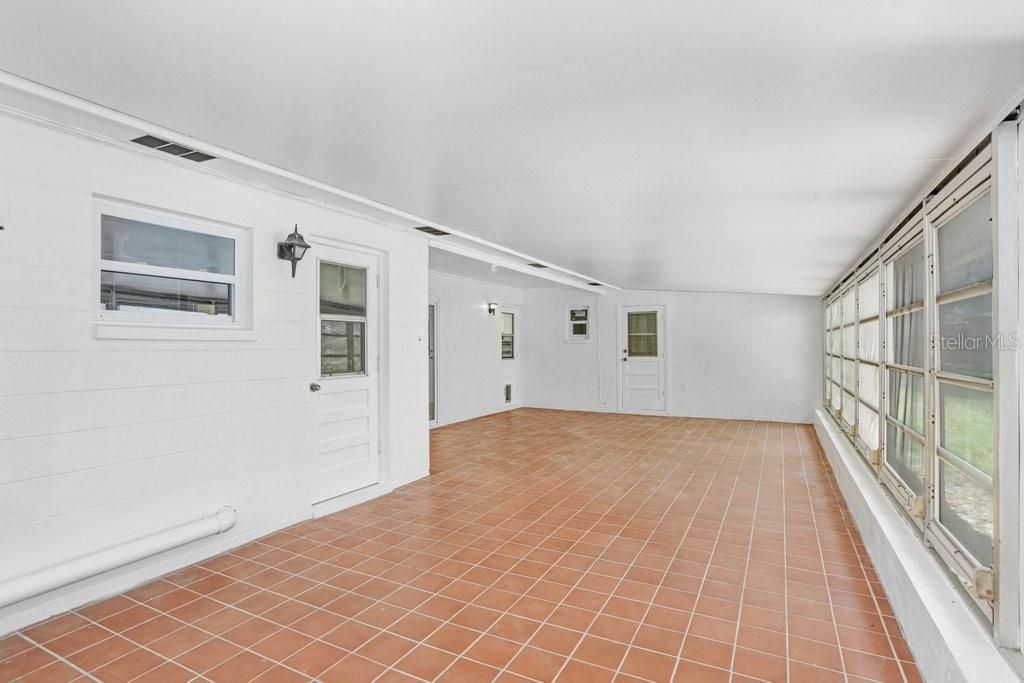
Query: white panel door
point(347, 385)
point(642, 361)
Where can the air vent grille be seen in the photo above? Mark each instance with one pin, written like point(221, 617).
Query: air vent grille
point(432, 231)
point(536, 265)
point(172, 148)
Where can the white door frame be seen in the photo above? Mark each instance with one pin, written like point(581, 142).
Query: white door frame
point(517, 320)
point(435, 302)
point(383, 485)
point(662, 310)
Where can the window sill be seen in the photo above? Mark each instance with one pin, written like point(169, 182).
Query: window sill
point(105, 329)
point(948, 639)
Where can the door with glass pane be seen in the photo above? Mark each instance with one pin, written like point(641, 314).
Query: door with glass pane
point(642, 361)
point(345, 392)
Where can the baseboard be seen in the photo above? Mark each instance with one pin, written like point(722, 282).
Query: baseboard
point(948, 638)
point(117, 581)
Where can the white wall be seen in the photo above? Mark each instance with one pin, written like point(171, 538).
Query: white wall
point(750, 356)
point(469, 368)
point(101, 439)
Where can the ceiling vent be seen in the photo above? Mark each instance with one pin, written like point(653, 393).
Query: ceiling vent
point(536, 265)
point(172, 148)
point(432, 231)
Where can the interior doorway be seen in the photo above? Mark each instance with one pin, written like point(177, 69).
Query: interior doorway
point(432, 362)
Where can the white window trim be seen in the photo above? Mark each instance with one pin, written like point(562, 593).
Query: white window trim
point(571, 338)
point(173, 325)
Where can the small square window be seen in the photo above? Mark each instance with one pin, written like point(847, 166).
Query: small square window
point(578, 328)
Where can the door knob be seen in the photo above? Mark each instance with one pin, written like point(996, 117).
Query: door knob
point(314, 387)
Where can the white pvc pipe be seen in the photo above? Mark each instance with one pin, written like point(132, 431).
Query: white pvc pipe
point(42, 579)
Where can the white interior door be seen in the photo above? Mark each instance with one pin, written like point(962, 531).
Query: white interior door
point(642, 361)
point(347, 385)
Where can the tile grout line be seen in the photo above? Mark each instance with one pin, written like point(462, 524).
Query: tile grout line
point(746, 566)
point(711, 555)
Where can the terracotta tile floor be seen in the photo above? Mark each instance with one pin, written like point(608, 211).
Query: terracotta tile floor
point(546, 545)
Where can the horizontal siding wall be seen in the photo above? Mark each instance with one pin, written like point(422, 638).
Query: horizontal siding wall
point(743, 356)
point(469, 372)
point(103, 439)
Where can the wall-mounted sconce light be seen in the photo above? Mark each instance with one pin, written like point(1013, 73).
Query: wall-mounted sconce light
point(492, 308)
point(292, 249)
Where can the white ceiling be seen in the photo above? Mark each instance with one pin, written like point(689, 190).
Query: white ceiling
point(475, 269)
point(704, 145)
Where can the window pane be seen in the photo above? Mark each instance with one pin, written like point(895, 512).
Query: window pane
point(642, 336)
point(965, 344)
point(867, 297)
point(579, 329)
point(837, 372)
point(849, 406)
point(907, 273)
point(342, 289)
point(341, 347)
point(965, 247)
point(508, 323)
point(126, 291)
point(158, 245)
point(868, 348)
point(578, 314)
point(905, 456)
point(837, 396)
point(646, 321)
point(907, 339)
point(906, 399)
point(837, 342)
point(643, 345)
point(508, 347)
point(967, 424)
point(849, 307)
point(868, 389)
point(867, 426)
point(965, 508)
point(850, 341)
point(849, 375)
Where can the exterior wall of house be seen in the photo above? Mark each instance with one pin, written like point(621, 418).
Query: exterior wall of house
point(104, 439)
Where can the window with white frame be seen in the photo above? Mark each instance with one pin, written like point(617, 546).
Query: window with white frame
point(965, 407)
point(848, 355)
point(342, 294)
point(578, 323)
point(868, 364)
point(835, 360)
point(906, 339)
point(912, 373)
point(156, 266)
